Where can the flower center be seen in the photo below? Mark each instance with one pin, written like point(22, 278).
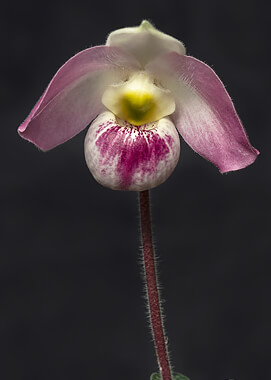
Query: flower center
point(137, 106)
point(138, 100)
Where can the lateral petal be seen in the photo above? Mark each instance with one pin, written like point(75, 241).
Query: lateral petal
point(73, 97)
point(205, 115)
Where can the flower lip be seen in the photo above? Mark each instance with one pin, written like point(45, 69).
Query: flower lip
point(124, 157)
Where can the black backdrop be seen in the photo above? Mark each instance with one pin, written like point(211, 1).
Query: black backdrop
point(70, 286)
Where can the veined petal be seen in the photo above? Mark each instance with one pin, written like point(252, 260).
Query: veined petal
point(73, 97)
point(205, 115)
point(124, 157)
point(145, 42)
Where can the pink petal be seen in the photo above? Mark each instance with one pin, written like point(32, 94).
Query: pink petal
point(73, 97)
point(205, 115)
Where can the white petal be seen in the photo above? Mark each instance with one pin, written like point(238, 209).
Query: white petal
point(145, 42)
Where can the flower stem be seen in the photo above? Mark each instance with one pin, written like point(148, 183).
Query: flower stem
point(153, 297)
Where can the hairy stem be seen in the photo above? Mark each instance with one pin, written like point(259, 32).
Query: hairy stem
point(153, 296)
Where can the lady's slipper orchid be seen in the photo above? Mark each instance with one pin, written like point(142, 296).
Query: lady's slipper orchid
point(143, 87)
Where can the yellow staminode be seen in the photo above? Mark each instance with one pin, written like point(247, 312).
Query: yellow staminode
point(139, 101)
point(137, 107)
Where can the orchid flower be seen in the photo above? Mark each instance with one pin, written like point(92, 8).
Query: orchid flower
point(140, 89)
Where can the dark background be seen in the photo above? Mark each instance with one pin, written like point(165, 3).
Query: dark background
point(71, 292)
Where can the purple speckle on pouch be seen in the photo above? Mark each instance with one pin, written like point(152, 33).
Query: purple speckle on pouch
point(133, 151)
